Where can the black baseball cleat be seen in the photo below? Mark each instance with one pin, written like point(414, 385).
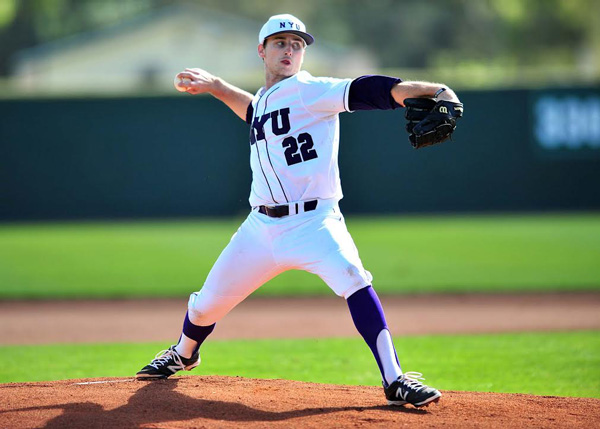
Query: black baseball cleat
point(167, 363)
point(407, 389)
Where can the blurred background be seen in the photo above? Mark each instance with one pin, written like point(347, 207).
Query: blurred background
point(134, 46)
point(91, 126)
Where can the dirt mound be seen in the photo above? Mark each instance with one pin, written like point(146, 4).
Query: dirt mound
point(207, 402)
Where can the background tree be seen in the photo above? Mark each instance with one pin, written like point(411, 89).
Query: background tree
point(496, 36)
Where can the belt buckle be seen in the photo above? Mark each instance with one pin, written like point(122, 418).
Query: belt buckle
point(269, 211)
point(277, 211)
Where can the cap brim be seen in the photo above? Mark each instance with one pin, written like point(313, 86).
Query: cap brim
point(307, 37)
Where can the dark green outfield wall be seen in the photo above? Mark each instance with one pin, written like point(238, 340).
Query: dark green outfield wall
point(188, 156)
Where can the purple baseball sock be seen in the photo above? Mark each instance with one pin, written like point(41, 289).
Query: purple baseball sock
point(369, 320)
point(195, 333)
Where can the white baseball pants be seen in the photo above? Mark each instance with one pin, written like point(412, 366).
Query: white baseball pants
point(263, 247)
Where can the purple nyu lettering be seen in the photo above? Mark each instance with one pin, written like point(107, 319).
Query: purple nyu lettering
point(280, 124)
point(285, 121)
point(258, 127)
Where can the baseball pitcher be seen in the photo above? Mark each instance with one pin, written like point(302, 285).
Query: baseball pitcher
point(295, 221)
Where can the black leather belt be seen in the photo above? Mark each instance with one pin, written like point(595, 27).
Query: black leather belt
point(284, 210)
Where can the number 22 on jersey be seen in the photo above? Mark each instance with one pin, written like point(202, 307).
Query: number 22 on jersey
point(297, 149)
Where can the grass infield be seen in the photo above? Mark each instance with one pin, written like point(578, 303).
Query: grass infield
point(405, 254)
point(562, 364)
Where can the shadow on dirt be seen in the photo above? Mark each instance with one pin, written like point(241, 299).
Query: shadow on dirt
point(157, 402)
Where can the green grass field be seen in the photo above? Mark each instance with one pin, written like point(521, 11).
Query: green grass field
point(405, 254)
point(416, 254)
point(562, 364)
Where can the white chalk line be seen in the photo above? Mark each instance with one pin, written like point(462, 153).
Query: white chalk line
point(104, 382)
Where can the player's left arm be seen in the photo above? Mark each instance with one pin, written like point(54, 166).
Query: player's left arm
point(377, 92)
point(415, 89)
point(431, 108)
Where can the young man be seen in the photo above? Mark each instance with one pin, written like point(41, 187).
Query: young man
point(295, 221)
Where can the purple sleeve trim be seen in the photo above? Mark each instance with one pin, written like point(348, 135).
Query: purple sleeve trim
point(372, 92)
point(249, 113)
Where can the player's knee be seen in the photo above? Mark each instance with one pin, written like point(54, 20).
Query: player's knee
point(355, 279)
point(200, 318)
point(204, 310)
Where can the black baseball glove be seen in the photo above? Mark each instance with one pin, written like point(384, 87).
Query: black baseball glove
point(430, 122)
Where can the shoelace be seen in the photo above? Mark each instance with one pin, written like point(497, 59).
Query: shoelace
point(163, 357)
point(410, 380)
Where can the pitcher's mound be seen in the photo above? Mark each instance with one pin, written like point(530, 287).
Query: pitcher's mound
point(218, 402)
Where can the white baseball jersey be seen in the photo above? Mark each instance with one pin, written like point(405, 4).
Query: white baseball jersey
point(294, 138)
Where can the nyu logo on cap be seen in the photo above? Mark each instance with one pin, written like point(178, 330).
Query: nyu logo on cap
point(284, 24)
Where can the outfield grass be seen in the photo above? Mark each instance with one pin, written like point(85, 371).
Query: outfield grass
point(405, 254)
point(563, 364)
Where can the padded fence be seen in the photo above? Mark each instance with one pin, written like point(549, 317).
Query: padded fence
point(184, 156)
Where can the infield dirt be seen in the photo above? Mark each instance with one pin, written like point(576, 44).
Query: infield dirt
point(31, 322)
point(221, 402)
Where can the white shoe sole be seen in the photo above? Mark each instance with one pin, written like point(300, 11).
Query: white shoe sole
point(433, 399)
point(162, 376)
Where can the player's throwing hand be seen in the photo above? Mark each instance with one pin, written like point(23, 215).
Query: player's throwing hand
point(195, 81)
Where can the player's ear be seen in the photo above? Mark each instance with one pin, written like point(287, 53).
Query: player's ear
point(261, 51)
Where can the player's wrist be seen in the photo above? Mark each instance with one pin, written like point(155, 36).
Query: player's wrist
point(439, 92)
point(217, 87)
point(446, 95)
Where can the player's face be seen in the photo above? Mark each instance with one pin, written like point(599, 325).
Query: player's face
point(283, 55)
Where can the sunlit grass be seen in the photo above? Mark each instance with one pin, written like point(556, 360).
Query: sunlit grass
point(563, 364)
point(404, 254)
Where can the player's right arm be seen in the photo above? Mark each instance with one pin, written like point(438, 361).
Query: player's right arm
point(201, 82)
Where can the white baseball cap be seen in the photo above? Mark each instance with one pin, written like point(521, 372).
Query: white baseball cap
point(285, 23)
